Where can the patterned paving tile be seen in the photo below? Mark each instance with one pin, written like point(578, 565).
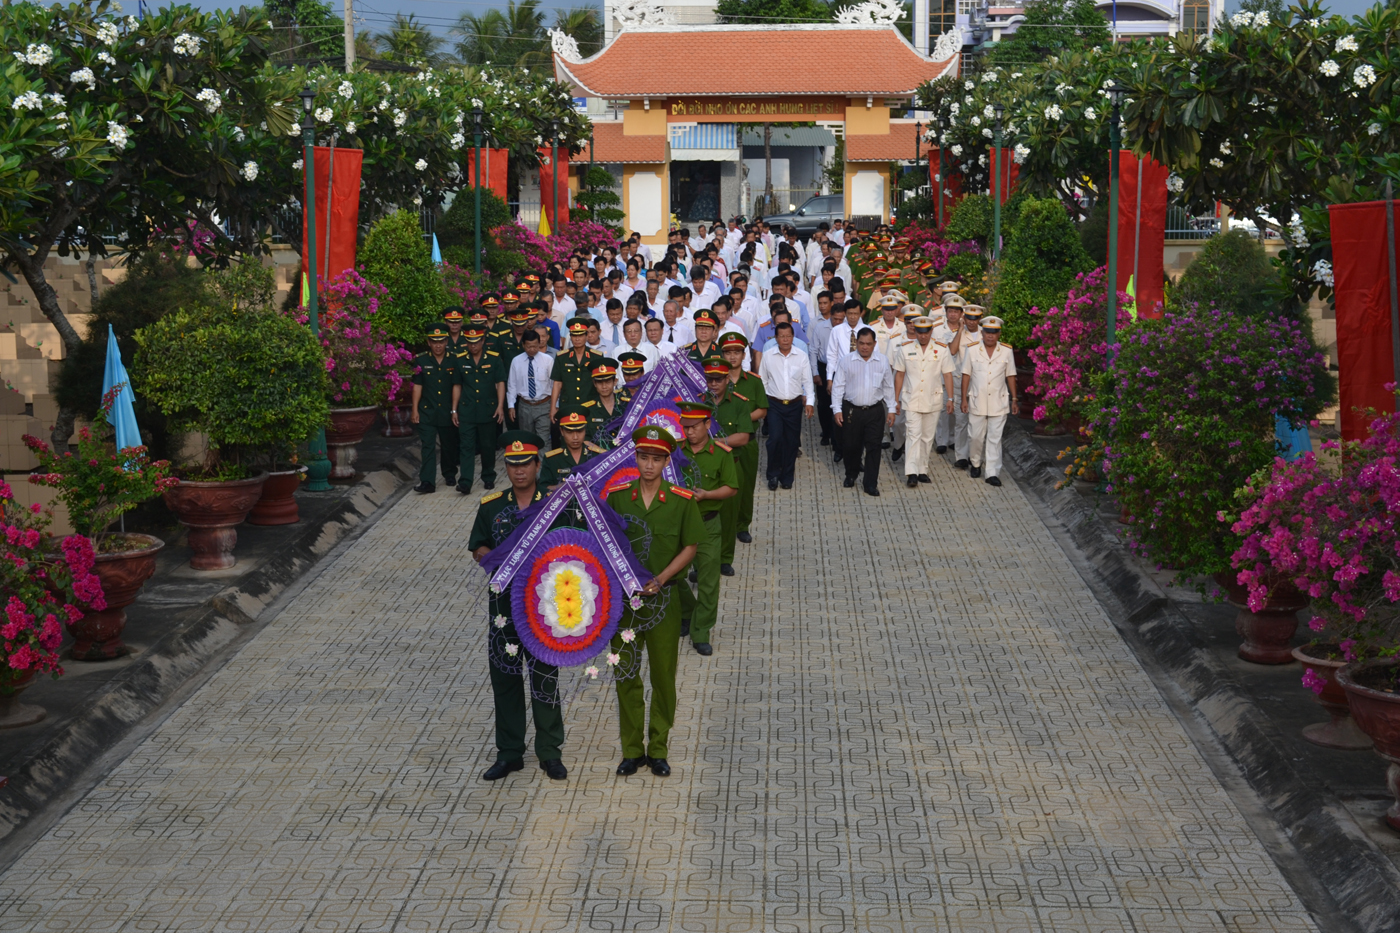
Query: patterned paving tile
point(916, 719)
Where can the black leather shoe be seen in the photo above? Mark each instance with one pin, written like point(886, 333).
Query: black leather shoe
point(923, 478)
point(960, 464)
point(744, 537)
point(897, 454)
point(425, 488)
point(501, 768)
point(911, 481)
point(702, 648)
point(884, 445)
point(489, 483)
point(836, 457)
point(659, 767)
point(555, 769)
point(975, 472)
point(941, 449)
point(685, 627)
point(826, 442)
point(450, 480)
point(871, 491)
point(993, 481)
point(726, 570)
point(629, 766)
point(463, 488)
point(787, 485)
point(772, 485)
point(848, 482)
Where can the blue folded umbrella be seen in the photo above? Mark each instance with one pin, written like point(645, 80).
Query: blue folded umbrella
point(437, 252)
point(122, 417)
point(1292, 442)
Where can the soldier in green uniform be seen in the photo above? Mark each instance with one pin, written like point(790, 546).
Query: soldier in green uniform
point(719, 480)
point(509, 346)
point(573, 371)
point(706, 327)
point(480, 406)
point(495, 520)
point(747, 388)
point(454, 318)
point(561, 462)
point(434, 403)
point(501, 318)
point(607, 408)
point(633, 366)
point(490, 307)
point(664, 538)
point(736, 430)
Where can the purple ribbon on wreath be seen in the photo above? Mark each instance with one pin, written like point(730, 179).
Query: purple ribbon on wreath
point(675, 374)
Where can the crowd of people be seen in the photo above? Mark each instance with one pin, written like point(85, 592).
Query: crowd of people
point(851, 326)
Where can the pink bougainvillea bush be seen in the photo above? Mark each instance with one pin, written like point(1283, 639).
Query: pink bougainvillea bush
point(1330, 528)
point(1070, 347)
point(930, 244)
point(366, 366)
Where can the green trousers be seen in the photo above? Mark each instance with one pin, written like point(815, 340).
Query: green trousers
point(707, 561)
point(662, 642)
point(478, 439)
point(509, 691)
point(738, 510)
point(428, 436)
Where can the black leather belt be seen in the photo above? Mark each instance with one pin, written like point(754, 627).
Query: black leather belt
point(711, 515)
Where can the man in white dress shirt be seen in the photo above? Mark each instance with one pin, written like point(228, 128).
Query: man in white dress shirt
point(655, 334)
point(787, 379)
point(677, 329)
point(988, 395)
point(862, 403)
point(634, 339)
point(704, 291)
point(528, 385)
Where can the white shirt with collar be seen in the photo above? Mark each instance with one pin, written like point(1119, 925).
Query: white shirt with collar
point(645, 348)
point(863, 382)
point(681, 334)
point(612, 333)
point(987, 392)
point(664, 348)
point(518, 379)
point(787, 377)
point(839, 344)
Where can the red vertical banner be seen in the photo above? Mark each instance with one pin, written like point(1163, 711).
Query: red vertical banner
point(1004, 164)
point(494, 163)
point(951, 188)
point(1142, 230)
point(337, 211)
point(1361, 286)
point(554, 178)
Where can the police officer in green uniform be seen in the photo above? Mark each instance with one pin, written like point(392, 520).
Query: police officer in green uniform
point(736, 431)
point(573, 371)
point(719, 480)
point(480, 406)
point(607, 408)
point(664, 538)
point(434, 402)
point(746, 388)
point(633, 365)
point(495, 520)
point(500, 323)
point(561, 462)
point(454, 318)
point(704, 346)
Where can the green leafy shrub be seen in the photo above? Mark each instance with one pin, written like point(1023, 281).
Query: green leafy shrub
point(600, 200)
point(456, 230)
point(396, 257)
point(971, 220)
point(1039, 263)
point(1232, 272)
point(251, 381)
point(1093, 233)
point(966, 266)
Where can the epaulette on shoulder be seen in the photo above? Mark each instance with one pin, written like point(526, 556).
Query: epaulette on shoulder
point(492, 353)
point(1007, 345)
point(493, 496)
point(587, 403)
point(556, 450)
point(682, 491)
point(723, 446)
point(617, 487)
point(738, 395)
point(593, 447)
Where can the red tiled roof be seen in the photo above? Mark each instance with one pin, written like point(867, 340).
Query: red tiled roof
point(613, 146)
point(897, 146)
point(767, 61)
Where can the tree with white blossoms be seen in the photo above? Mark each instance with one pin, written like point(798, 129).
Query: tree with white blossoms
point(124, 127)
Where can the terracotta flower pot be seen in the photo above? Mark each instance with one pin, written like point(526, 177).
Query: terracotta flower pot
point(1268, 633)
point(1341, 731)
point(211, 511)
point(97, 636)
point(13, 713)
point(348, 427)
point(278, 506)
point(1377, 712)
point(397, 421)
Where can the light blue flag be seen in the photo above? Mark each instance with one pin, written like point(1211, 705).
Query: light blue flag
point(122, 417)
point(437, 252)
point(1292, 442)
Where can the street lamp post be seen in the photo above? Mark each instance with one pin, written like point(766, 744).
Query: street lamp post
point(998, 109)
point(918, 143)
point(942, 170)
point(1116, 93)
point(554, 171)
point(318, 467)
point(592, 210)
point(476, 191)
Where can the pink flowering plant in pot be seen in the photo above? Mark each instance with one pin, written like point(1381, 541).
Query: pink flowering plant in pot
point(1070, 347)
point(365, 365)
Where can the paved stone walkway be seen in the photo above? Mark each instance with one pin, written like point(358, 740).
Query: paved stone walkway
point(916, 718)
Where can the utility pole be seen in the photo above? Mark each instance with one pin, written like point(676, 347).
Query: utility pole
point(349, 36)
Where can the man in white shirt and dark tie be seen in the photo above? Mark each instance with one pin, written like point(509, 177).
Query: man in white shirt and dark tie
point(787, 379)
point(862, 403)
point(677, 329)
point(655, 334)
point(528, 385)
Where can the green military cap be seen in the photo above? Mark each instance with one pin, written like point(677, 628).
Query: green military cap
point(579, 325)
point(733, 339)
point(520, 446)
point(695, 411)
point(452, 315)
point(632, 361)
point(651, 437)
point(573, 419)
point(436, 332)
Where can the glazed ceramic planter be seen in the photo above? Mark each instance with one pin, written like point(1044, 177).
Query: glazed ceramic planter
point(1267, 634)
point(13, 713)
point(277, 505)
point(97, 636)
point(211, 511)
point(1377, 711)
point(347, 428)
point(398, 421)
point(1341, 731)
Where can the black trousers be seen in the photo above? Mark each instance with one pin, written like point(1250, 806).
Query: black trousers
point(865, 428)
point(786, 419)
point(825, 417)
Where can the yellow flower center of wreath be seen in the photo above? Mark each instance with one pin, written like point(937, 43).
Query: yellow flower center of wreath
point(568, 600)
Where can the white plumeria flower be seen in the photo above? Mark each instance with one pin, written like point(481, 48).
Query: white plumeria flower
point(350, 128)
point(383, 105)
point(238, 134)
point(106, 58)
point(957, 150)
point(1061, 88)
point(512, 649)
point(976, 120)
point(629, 635)
point(117, 135)
point(294, 130)
point(417, 200)
point(1019, 154)
point(186, 44)
point(458, 140)
point(614, 659)
point(211, 99)
point(1090, 114)
point(1015, 75)
point(27, 101)
point(968, 85)
point(400, 118)
point(955, 107)
point(1322, 272)
point(987, 132)
point(84, 76)
point(476, 104)
point(107, 34)
point(1297, 234)
point(1241, 19)
point(1314, 23)
point(1346, 44)
point(1175, 183)
point(1216, 163)
point(1374, 129)
point(1261, 19)
point(1330, 68)
point(55, 100)
point(296, 166)
point(989, 111)
point(132, 22)
point(592, 671)
point(1364, 76)
point(322, 114)
point(62, 120)
point(990, 76)
point(346, 90)
point(1053, 112)
point(1226, 148)
point(36, 54)
point(421, 164)
point(250, 171)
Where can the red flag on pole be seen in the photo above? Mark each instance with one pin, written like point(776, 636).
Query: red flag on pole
point(1003, 162)
point(951, 189)
point(1142, 230)
point(1361, 284)
point(494, 163)
point(550, 177)
point(337, 211)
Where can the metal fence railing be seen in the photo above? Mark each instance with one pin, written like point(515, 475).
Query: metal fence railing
point(1182, 226)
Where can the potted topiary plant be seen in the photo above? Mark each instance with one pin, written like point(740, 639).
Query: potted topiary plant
point(43, 580)
point(98, 484)
point(367, 368)
point(250, 381)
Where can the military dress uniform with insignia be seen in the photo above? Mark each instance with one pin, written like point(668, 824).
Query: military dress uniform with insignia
point(923, 395)
point(988, 391)
point(574, 372)
point(696, 350)
point(732, 416)
point(748, 389)
point(661, 530)
point(483, 389)
point(454, 318)
point(435, 379)
point(714, 464)
point(599, 415)
point(633, 366)
point(490, 528)
point(559, 464)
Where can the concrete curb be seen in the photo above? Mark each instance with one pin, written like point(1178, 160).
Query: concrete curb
point(45, 786)
point(1339, 873)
